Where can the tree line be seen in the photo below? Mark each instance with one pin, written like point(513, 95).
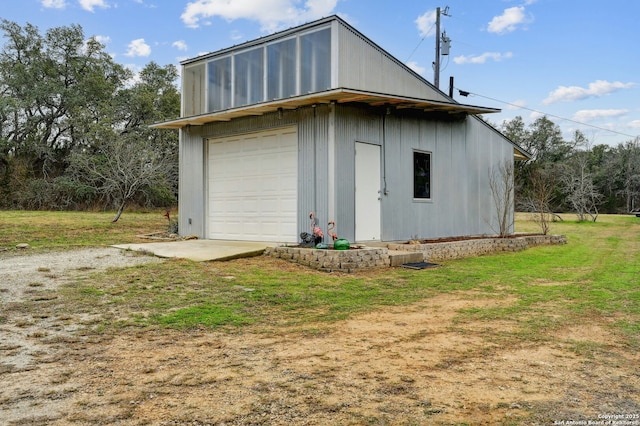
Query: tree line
point(75, 134)
point(573, 175)
point(74, 124)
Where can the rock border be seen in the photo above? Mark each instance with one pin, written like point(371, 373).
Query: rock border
point(377, 257)
point(476, 247)
point(333, 260)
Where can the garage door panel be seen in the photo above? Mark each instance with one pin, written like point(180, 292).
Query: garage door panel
point(253, 187)
point(251, 208)
point(271, 185)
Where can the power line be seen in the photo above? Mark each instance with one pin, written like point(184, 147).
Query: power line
point(466, 93)
point(419, 43)
point(426, 34)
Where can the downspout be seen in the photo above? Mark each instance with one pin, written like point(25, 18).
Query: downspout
point(384, 151)
point(331, 163)
point(315, 156)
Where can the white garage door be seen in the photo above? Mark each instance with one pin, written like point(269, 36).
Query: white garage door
point(253, 186)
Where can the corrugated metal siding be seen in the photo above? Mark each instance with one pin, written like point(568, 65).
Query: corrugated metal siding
point(191, 192)
point(477, 154)
point(363, 65)
point(249, 124)
point(461, 183)
point(444, 179)
point(483, 162)
point(397, 168)
point(487, 150)
point(463, 152)
point(494, 152)
point(192, 183)
point(351, 125)
point(313, 167)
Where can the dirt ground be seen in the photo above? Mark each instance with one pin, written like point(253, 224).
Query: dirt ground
point(399, 365)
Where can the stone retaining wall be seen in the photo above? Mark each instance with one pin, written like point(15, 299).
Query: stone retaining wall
point(376, 257)
point(333, 260)
point(476, 247)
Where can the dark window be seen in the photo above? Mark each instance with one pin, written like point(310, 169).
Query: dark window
point(421, 175)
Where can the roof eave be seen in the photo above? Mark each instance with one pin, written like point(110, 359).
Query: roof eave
point(339, 96)
point(520, 154)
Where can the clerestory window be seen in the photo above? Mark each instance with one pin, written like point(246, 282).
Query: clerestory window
point(315, 61)
point(249, 77)
point(220, 84)
point(279, 69)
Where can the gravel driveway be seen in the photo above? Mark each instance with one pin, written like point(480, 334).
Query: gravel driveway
point(26, 335)
point(19, 272)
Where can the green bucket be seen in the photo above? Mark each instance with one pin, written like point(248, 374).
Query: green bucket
point(341, 244)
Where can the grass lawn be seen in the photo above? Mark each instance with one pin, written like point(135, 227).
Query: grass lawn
point(596, 274)
point(549, 334)
point(68, 230)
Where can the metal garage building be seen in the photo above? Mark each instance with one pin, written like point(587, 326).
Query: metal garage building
point(319, 118)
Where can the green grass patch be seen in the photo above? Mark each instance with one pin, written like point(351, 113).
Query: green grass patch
point(537, 291)
point(65, 230)
point(207, 315)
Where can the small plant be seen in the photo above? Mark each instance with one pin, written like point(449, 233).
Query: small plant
point(415, 239)
point(501, 184)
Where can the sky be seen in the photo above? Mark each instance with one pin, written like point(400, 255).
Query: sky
point(575, 61)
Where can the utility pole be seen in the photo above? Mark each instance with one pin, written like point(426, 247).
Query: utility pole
point(436, 64)
point(445, 40)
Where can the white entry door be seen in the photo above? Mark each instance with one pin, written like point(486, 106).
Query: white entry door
point(368, 192)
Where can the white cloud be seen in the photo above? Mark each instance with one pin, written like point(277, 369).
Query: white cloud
point(515, 105)
point(236, 35)
point(587, 115)
point(135, 74)
point(535, 115)
point(417, 68)
point(89, 5)
point(271, 14)
point(138, 47)
point(103, 39)
point(426, 23)
point(180, 45)
point(481, 59)
point(54, 4)
point(635, 124)
point(508, 21)
point(575, 93)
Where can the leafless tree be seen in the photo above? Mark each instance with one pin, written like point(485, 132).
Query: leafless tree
point(538, 201)
point(501, 184)
point(628, 171)
point(577, 183)
point(122, 169)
